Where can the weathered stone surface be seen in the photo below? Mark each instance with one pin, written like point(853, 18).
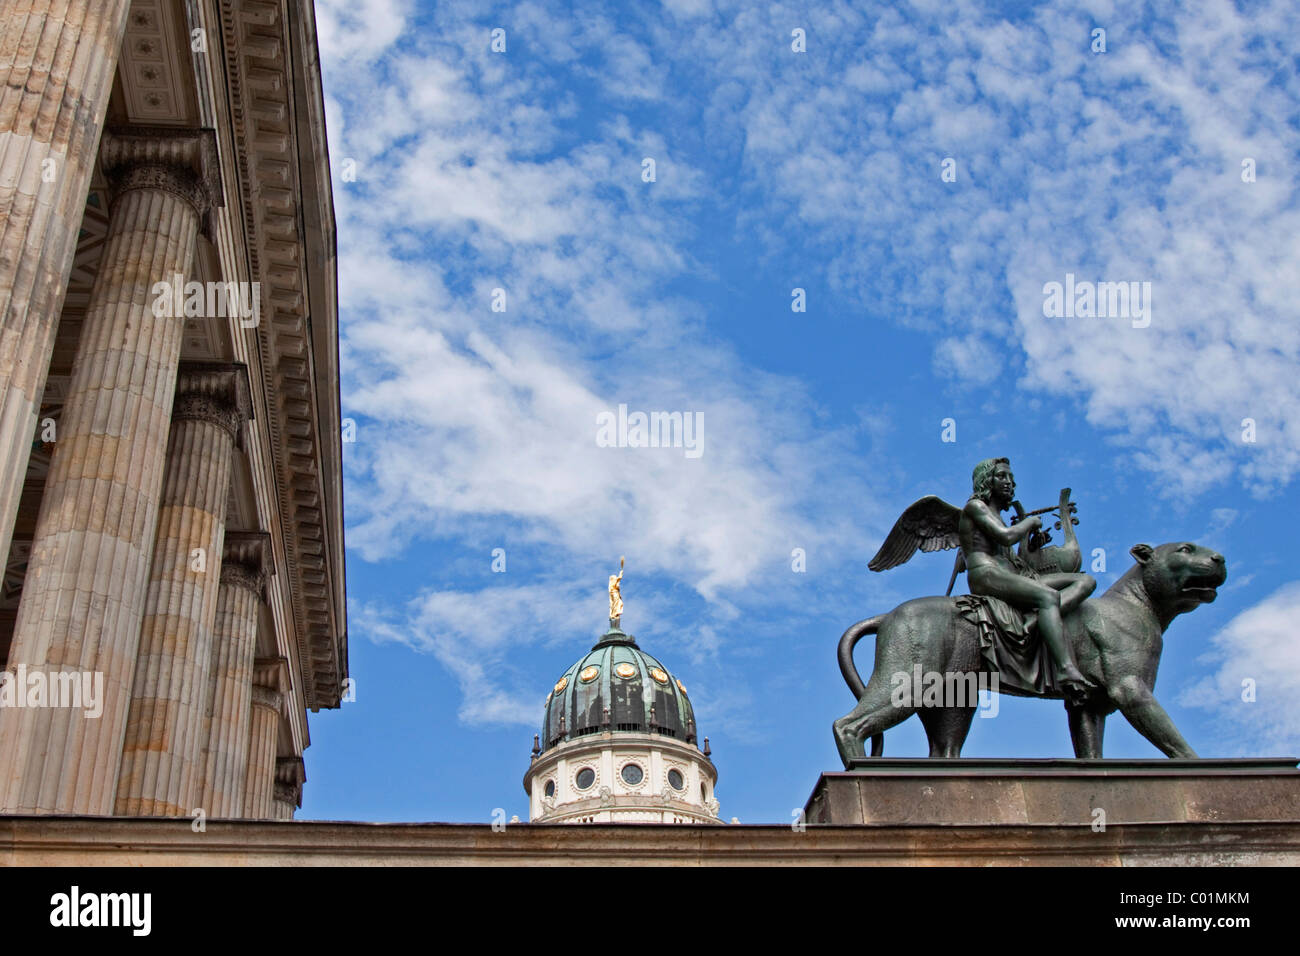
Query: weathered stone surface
point(84, 594)
point(936, 792)
point(163, 752)
point(57, 59)
point(48, 841)
point(244, 566)
point(270, 680)
point(258, 87)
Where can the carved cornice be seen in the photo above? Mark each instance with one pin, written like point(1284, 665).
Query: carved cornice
point(214, 392)
point(277, 112)
point(180, 161)
point(246, 561)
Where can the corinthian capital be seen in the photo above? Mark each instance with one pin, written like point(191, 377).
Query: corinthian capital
point(180, 161)
point(290, 775)
point(246, 561)
point(215, 392)
point(270, 682)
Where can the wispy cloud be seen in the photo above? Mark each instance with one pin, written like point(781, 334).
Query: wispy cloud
point(523, 172)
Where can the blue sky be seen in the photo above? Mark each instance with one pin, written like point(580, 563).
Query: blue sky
point(459, 171)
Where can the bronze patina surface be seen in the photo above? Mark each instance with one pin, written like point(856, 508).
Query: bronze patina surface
point(1110, 645)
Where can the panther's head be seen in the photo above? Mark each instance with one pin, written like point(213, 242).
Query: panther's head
point(1179, 576)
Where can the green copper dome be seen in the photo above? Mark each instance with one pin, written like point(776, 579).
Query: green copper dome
point(617, 687)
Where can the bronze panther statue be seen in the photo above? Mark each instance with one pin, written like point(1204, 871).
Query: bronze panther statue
point(1117, 639)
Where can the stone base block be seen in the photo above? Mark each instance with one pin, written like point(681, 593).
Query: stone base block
point(983, 792)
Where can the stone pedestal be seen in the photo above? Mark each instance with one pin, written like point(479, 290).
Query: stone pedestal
point(163, 751)
point(1089, 793)
point(57, 59)
point(83, 597)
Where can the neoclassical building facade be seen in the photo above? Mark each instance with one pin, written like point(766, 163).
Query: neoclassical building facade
point(170, 488)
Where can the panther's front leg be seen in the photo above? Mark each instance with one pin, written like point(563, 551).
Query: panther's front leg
point(1086, 729)
point(1136, 702)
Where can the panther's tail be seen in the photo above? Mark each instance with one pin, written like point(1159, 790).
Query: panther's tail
point(850, 671)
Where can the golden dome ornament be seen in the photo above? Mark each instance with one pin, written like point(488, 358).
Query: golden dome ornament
point(616, 596)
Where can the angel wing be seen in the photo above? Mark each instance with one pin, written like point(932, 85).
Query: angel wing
point(927, 525)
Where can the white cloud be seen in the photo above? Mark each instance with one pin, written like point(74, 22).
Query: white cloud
point(479, 171)
point(1122, 166)
point(359, 30)
point(1258, 649)
point(475, 422)
point(472, 634)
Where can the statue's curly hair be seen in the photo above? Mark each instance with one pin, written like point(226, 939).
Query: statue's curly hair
point(981, 478)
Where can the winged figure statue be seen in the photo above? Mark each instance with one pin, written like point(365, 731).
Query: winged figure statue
point(1019, 622)
point(1030, 580)
point(929, 524)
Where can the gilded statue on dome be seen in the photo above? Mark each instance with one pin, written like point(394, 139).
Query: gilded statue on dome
point(616, 595)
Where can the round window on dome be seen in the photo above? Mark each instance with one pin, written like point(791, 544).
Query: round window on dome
point(589, 674)
point(625, 670)
point(632, 774)
point(659, 675)
point(586, 777)
point(560, 684)
point(550, 788)
point(675, 780)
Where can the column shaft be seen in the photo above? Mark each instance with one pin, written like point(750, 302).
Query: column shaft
point(162, 754)
point(234, 648)
point(57, 60)
point(83, 597)
point(264, 730)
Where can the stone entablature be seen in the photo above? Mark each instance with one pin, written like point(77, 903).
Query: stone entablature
point(274, 94)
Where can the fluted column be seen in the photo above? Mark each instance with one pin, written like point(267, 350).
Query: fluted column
point(270, 682)
point(245, 564)
point(57, 60)
point(163, 751)
point(290, 775)
point(83, 596)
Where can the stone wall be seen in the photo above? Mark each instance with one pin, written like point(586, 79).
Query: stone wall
point(84, 841)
